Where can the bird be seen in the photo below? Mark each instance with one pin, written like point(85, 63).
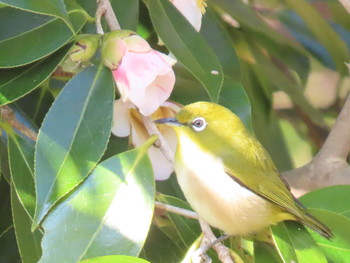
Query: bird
point(228, 177)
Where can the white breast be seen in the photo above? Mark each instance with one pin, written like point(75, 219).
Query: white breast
point(216, 197)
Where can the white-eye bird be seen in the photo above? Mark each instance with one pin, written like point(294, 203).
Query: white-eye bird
point(228, 177)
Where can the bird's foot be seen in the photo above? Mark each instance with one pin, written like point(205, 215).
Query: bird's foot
point(200, 255)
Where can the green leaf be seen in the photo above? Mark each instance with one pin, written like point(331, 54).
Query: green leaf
point(323, 32)
point(73, 136)
point(127, 13)
point(8, 246)
point(21, 160)
point(115, 259)
point(28, 241)
point(37, 41)
point(17, 82)
point(108, 214)
point(234, 97)
point(264, 252)
point(54, 8)
point(220, 42)
point(337, 249)
point(295, 243)
point(329, 198)
point(187, 45)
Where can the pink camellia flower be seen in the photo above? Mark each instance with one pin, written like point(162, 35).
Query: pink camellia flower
point(128, 122)
point(192, 10)
point(143, 75)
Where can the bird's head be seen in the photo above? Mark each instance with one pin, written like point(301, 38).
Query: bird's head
point(206, 123)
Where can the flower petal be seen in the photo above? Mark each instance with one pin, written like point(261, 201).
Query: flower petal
point(121, 118)
point(190, 10)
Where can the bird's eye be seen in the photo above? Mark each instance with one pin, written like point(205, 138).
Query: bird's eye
point(199, 124)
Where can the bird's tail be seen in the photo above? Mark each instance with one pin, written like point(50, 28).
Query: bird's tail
point(316, 225)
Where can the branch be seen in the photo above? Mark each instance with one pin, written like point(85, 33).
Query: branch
point(104, 8)
point(329, 166)
point(9, 116)
point(176, 210)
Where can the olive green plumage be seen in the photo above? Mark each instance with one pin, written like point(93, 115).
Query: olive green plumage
point(242, 178)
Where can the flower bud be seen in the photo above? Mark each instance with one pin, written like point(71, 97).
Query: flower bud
point(84, 49)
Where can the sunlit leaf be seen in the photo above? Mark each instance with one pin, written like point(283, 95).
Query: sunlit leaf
point(17, 82)
point(73, 136)
point(108, 214)
point(115, 259)
point(41, 38)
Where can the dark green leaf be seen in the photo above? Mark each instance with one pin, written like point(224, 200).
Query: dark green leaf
point(329, 198)
point(73, 136)
point(219, 40)
point(265, 253)
point(21, 159)
point(187, 45)
point(115, 259)
point(54, 8)
point(127, 13)
point(337, 249)
point(36, 42)
point(28, 241)
point(108, 214)
point(289, 236)
point(17, 82)
point(8, 246)
point(234, 97)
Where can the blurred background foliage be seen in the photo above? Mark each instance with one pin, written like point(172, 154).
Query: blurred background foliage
point(283, 74)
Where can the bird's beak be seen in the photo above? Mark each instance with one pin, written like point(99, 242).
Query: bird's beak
point(169, 121)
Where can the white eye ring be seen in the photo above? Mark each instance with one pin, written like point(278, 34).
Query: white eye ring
point(199, 124)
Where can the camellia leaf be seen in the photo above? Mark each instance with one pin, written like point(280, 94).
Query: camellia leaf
point(127, 13)
point(16, 82)
point(21, 160)
point(338, 248)
point(38, 40)
point(295, 243)
point(54, 8)
point(264, 252)
point(28, 241)
point(108, 214)
point(115, 259)
point(187, 45)
point(328, 199)
point(73, 136)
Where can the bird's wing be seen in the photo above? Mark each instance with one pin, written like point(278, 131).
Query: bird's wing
point(272, 188)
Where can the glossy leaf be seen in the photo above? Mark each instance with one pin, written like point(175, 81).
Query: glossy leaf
point(338, 248)
point(55, 8)
point(328, 199)
point(21, 160)
point(115, 259)
point(17, 82)
point(73, 136)
point(38, 41)
point(322, 31)
point(28, 241)
point(108, 214)
point(187, 45)
point(295, 244)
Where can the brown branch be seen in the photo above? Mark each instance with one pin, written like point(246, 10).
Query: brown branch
point(9, 116)
point(104, 8)
point(329, 166)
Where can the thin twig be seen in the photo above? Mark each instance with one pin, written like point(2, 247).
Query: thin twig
point(163, 145)
point(9, 116)
point(176, 210)
point(105, 8)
